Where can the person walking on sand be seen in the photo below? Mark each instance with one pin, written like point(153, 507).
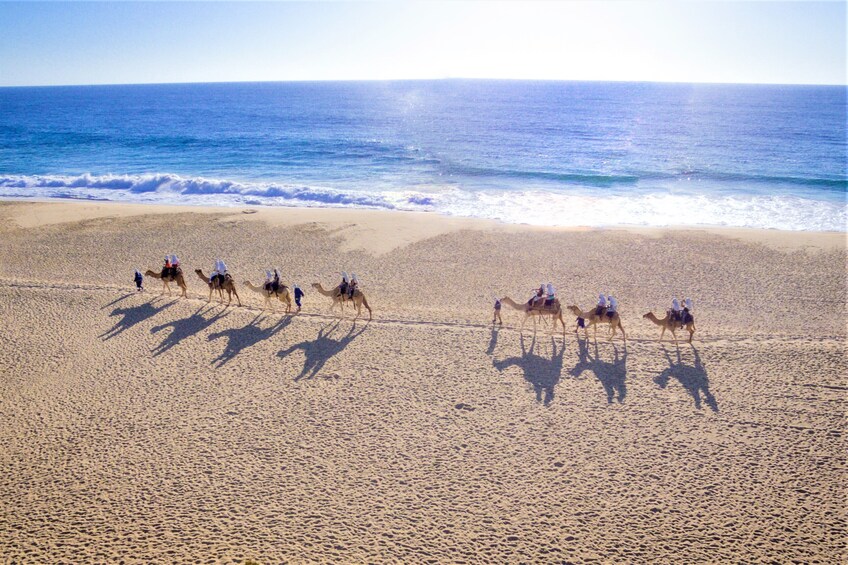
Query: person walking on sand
point(298, 294)
point(497, 314)
point(139, 280)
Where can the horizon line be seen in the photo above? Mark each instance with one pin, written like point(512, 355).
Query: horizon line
point(443, 79)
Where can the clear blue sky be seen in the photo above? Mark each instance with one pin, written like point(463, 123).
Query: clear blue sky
point(108, 43)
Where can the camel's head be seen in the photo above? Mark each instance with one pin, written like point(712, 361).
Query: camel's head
point(574, 310)
point(198, 271)
point(316, 285)
point(648, 315)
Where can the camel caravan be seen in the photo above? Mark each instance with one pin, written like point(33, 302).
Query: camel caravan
point(220, 280)
point(542, 305)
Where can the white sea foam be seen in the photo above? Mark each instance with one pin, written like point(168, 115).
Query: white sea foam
point(537, 207)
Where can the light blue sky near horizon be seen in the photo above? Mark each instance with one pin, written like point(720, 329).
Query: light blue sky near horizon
point(160, 42)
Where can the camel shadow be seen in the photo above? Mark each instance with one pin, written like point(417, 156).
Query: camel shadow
point(131, 316)
point(322, 348)
point(692, 377)
point(184, 328)
point(240, 339)
point(612, 375)
point(542, 373)
point(123, 297)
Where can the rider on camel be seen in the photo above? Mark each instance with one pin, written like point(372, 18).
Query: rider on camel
point(602, 305)
point(539, 296)
point(676, 311)
point(551, 296)
point(351, 288)
point(344, 284)
point(613, 305)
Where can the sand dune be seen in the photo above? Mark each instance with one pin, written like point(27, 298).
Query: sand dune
point(144, 428)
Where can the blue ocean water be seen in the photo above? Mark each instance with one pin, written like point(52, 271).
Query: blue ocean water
point(546, 153)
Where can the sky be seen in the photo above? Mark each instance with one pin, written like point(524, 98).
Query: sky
point(163, 42)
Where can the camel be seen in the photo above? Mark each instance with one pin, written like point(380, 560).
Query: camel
point(593, 319)
point(228, 285)
point(178, 278)
point(283, 294)
point(554, 311)
point(668, 324)
point(358, 299)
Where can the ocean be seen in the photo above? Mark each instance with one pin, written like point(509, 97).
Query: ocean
point(542, 153)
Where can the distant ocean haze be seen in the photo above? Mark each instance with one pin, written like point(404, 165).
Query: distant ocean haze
point(546, 153)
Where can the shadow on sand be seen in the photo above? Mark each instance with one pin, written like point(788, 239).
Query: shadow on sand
point(122, 297)
point(132, 315)
point(186, 327)
point(692, 377)
point(240, 339)
point(322, 348)
point(541, 372)
point(493, 341)
point(612, 374)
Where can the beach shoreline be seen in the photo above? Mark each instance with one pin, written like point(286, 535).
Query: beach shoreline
point(427, 223)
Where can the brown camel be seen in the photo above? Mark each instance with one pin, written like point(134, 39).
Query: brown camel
point(178, 278)
point(283, 294)
point(229, 285)
point(340, 299)
point(554, 311)
point(593, 319)
point(668, 324)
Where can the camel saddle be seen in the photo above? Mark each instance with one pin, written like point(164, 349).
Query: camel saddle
point(543, 305)
point(171, 272)
point(269, 287)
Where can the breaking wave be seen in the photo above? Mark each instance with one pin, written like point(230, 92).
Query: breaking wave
point(536, 207)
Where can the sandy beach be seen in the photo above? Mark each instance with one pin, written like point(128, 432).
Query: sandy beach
point(141, 428)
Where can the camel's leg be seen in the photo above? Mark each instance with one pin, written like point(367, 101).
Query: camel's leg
point(691, 329)
point(674, 335)
point(623, 335)
point(662, 333)
point(238, 299)
point(611, 331)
